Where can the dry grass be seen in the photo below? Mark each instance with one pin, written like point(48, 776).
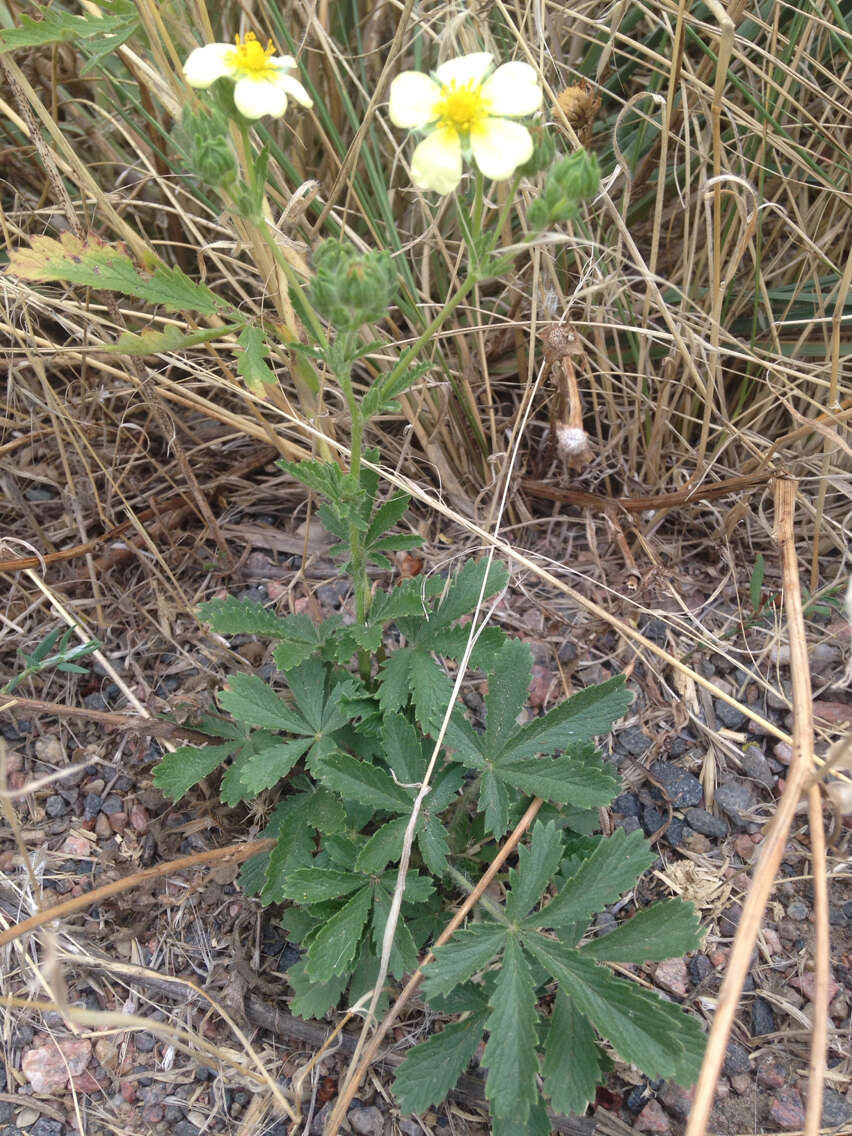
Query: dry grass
point(709, 285)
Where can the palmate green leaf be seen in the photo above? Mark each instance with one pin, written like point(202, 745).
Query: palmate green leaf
point(360, 781)
point(661, 931)
point(386, 516)
point(537, 1123)
point(579, 719)
point(394, 691)
point(314, 885)
point(572, 1069)
point(251, 361)
point(171, 338)
point(298, 636)
point(494, 803)
point(383, 846)
point(432, 1068)
point(326, 478)
point(312, 998)
point(583, 781)
point(654, 1035)
point(430, 689)
point(264, 769)
point(292, 824)
point(403, 956)
point(507, 693)
point(469, 951)
point(334, 947)
point(612, 868)
point(537, 865)
point(249, 699)
point(119, 19)
point(510, 1054)
point(93, 263)
point(187, 765)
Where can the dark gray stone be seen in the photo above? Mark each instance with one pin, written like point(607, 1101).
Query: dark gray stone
point(680, 745)
point(798, 910)
point(567, 652)
point(736, 1060)
point(627, 804)
point(835, 1108)
point(675, 832)
point(112, 804)
point(757, 767)
point(681, 787)
point(637, 1098)
point(55, 806)
point(762, 1018)
point(837, 916)
point(652, 820)
point(22, 1035)
point(185, 1128)
point(629, 824)
point(654, 629)
point(174, 1113)
point(734, 798)
point(144, 1042)
point(44, 1126)
point(700, 967)
point(706, 823)
point(7, 1111)
point(728, 715)
point(633, 741)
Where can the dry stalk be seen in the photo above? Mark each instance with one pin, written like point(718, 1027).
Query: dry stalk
point(801, 768)
point(351, 1087)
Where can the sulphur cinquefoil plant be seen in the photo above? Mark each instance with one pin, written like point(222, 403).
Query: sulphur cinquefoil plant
point(361, 713)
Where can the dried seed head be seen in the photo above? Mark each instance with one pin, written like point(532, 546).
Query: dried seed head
point(840, 794)
point(580, 105)
point(560, 339)
point(571, 440)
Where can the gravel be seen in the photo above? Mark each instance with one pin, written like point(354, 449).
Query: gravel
point(728, 715)
point(55, 806)
point(835, 1108)
point(757, 767)
point(735, 798)
point(681, 787)
point(736, 1060)
point(627, 804)
point(706, 823)
point(700, 967)
point(144, 1042)
point(633, 741)
point(652, 820)
point(762, 1018)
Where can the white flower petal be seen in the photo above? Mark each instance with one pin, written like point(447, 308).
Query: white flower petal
point(499, 147)
point(256, 97)
point(436, 163)
point(282, 62)
point(294, 87)
point(464, 69)
point(412, 99)
point(513, 90)
point(207, 64)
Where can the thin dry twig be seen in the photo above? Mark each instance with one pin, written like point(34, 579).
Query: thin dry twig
point(801, 768)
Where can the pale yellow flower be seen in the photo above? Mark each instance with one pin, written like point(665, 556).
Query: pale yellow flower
point(261, 79)
point(462, 109)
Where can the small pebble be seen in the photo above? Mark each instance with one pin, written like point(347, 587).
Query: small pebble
point(741, 1083)
point(636, 1099)
point(787, 1110)
point(652, 820)
point(44, 1126)
point(798, 910)
point(366, 1121)
point(762, 1018)
point(836, 1110)
point(671, 976)
point(111, 804)
point(652, 1119)
point(627, 804)
point(728, 715)
point(55, 806)
point(675, 832)
point(682, 788)
point(633, 741)
point(700, 967)
point(706, 823)
point(144, 1041)
point(734, 798)
point(736, 1059)
point(772, 1075)
point(102, 826)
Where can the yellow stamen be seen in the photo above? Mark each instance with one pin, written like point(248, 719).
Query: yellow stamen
point(249, 57)
point(461, 108)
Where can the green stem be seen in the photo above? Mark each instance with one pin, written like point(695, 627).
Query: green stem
point(494, 909)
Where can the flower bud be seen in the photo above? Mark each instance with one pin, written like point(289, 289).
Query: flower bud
point(569, 181)
point(211, 155)
point(351, 288)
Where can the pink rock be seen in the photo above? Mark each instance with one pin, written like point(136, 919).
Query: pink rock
point(77, 846)
point(788, 1111)
point(48, 1067)
point(275, 589)
point(744, 847)
point(128, 1090)
point(153, 1113)
point(835, 712)
point(771, 1076)
point(86, 1082)
point(783, 752)
point(741, 1083)
point(139, 819)
point(807, 985)
point(102, 826)
point(118, 821)
point(773, 943)
point(652, 1119)
point(542, 681)
point(723, 1089)
point(677, 1099)
point(840, 629)
point(671, 975)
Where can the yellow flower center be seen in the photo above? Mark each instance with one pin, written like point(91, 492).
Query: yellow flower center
point(249, 58)
point(461, 108)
